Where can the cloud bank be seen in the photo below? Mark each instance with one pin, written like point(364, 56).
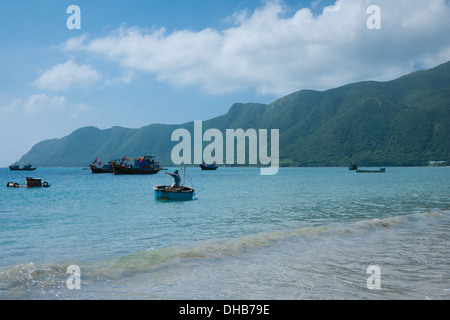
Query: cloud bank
point(66, 75)
point(275, 51)
point(42, 104)
point(39, 102)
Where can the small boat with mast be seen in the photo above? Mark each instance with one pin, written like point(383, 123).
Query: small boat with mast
point(97, 167)
point(142, 165)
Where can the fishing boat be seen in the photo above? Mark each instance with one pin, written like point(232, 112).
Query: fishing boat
point(142, 165)
point(97, 167)
point(27, 167)
point(381, 170)
point(206, 166)
point(106, 168)
point(174, 193)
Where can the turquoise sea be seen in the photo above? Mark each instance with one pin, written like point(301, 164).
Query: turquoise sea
point(305, 233)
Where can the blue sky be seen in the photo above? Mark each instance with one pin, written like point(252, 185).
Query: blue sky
point(139, 62)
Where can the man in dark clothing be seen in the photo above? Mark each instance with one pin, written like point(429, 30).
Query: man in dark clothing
point(176, 179)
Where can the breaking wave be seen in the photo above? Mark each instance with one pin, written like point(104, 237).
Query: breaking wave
point(22, 279)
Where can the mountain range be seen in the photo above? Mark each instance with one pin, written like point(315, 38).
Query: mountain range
point(403, 122)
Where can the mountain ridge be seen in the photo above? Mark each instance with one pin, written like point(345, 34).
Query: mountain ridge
point(401, 122)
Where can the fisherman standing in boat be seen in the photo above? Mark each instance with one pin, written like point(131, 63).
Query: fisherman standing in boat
point(176, 179)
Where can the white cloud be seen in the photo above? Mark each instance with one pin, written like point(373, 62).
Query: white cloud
point(66, 75)
point(276, 54)
point(73, 43)
point(41, 102)
point(125, 78)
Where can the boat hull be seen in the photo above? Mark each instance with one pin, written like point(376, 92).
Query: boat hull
point(383, 170)
point(177, 194)
point(95, 169)
point(118, 169)
point(208, 167)
point(21, 169)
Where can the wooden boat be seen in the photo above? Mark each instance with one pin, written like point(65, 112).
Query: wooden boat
point(96, 167)
point(107, 168)
point(143, 165)
point(28, 167)
point(206, 166)
point(381, 170)
point(176, 193)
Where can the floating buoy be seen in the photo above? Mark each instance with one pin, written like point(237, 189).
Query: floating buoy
point(12, 184)
point(30, 183)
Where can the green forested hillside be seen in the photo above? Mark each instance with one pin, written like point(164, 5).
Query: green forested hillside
point(403, 122)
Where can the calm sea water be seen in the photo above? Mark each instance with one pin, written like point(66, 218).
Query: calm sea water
point(305, 233)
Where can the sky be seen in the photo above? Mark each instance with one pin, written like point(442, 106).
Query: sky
point(139, 62)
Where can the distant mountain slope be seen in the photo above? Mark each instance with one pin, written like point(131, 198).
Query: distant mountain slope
point(397, 123)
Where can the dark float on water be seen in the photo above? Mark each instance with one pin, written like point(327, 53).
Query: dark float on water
point(30, 183)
